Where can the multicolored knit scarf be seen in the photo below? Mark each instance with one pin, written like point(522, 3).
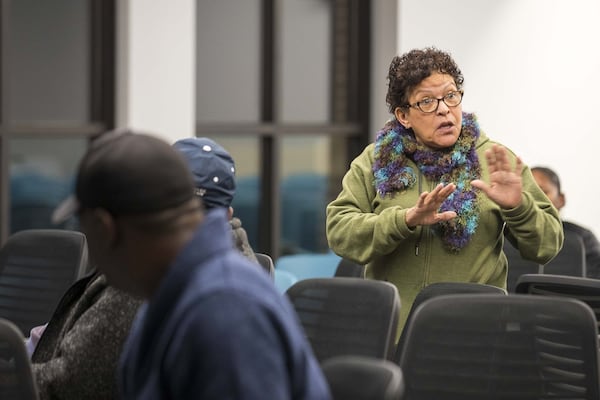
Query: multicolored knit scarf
point(458, 164)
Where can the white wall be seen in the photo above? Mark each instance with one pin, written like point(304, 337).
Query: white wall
point(532, 76)
point(156, 61)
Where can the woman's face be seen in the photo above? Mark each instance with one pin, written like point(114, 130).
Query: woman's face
point(438, 129)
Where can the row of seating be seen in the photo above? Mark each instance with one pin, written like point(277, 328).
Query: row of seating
point(472, 345)
point(370, 378)
point(462, 340)
point(492, 346)
point(45, 262)
point(330, 344)
point(351, 325)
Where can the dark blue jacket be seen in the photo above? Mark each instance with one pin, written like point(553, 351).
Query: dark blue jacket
point(217, 328)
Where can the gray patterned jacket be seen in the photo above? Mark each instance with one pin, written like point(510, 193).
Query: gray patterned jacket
point(76, 357)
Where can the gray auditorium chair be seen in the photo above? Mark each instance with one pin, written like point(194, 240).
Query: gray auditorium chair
point(347, 316)
point(580, 288)
point(349, 269)
point(439, 289)
point(266, 262)
point(480, 346)
point(16, 378)
point(570, 261)
point(37, 266)
point(363, 378)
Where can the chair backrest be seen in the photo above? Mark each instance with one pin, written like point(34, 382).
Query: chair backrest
point(584, 289)
point(439, 289)
point(570, 260)
point(473, 347)
point(347, 316)
point(518, 266)
point(37, 266)
point(363, 378)
point(349, 269)
point(16, 378)
point(309, 265)
point(266, 262)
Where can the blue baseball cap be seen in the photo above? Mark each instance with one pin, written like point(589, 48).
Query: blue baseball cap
point(213, 170)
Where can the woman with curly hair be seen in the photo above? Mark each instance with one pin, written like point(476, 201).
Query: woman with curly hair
point(431, 199)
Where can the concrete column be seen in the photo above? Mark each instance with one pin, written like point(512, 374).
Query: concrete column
point(156, 78)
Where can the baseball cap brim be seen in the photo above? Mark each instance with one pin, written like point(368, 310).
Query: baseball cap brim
point(65, 210)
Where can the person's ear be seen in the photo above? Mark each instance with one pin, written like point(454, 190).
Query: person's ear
point(105, 227)
point(402, 116)
point(561, 201)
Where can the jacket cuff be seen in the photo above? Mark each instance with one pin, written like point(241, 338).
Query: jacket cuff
point(403, 228)
point(519, 212)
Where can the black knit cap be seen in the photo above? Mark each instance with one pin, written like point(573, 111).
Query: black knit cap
point(128, 173)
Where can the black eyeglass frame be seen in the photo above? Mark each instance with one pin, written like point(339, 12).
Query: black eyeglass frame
point(417, 105)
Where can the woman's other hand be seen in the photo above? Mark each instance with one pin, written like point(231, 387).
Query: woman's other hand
point(505, 181)
point(425, 212)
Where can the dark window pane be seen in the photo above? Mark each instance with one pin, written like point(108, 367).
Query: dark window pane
point(303, 192)
point(246, 154)
point(305, 61)
point(228, 61)
point(48, 47)
point(41, 176)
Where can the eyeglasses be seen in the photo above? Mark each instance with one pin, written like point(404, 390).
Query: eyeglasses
point(431, 104)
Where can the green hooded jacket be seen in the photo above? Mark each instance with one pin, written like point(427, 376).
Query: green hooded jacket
point(371, 230)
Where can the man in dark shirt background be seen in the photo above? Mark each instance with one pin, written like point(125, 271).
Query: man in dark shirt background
point(549, 182)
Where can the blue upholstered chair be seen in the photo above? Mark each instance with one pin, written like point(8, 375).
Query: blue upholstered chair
point(309, 265)
point(284, 279)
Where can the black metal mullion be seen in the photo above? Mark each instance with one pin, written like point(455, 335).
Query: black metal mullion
point(102, 62)
point(268, 234)
point(4, 149)
point(4, 187)
point(360, 73)
point(334, 129)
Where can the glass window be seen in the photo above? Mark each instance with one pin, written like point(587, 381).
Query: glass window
point(41, 176)
point(246, 154)
point(48, 47)
point(304, 62)
point(288, 114)
point(304, 193)
point(228, 61)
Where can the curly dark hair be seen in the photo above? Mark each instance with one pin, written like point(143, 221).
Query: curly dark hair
point(408, 70)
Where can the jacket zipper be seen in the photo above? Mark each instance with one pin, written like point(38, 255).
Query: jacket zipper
point(418, 242)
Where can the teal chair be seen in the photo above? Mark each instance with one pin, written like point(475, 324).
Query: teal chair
point(309, 265)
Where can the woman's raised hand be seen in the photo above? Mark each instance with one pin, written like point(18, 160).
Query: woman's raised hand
point(505, 181)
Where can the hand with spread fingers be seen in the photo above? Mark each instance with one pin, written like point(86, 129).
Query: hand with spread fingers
point(425, 212)
point(505, 186)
